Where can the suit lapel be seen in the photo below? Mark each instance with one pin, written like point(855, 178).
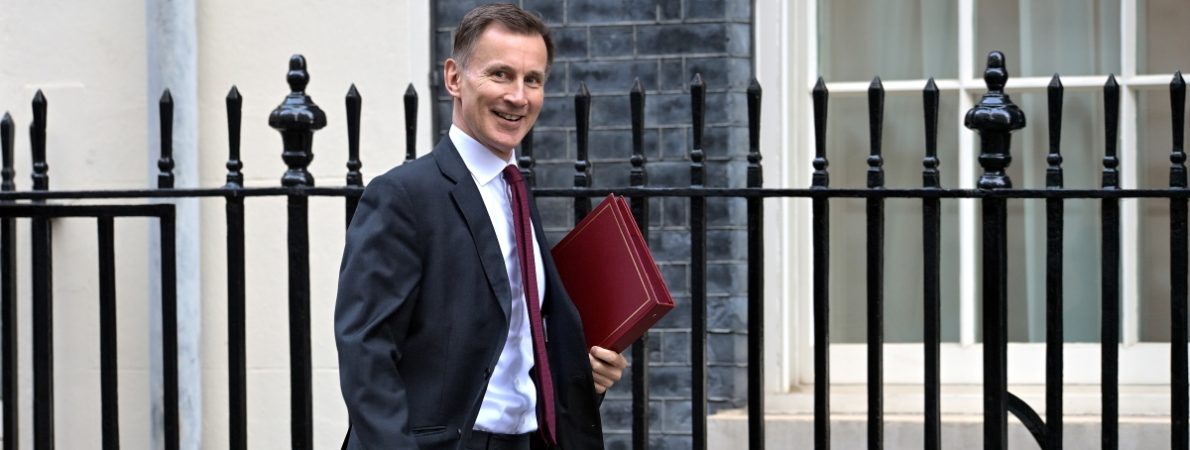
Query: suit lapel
point(470, 203)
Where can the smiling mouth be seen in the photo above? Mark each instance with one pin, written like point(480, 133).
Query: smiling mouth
point(508, 117)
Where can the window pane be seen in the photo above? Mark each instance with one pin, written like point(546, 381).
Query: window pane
point(904, 148)
point(1040, 38)
point(1082, 153)
point(1154, 143)
point(1161, 45)
point(896, 39)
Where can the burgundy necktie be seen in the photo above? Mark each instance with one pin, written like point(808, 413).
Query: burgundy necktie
point(519, 200)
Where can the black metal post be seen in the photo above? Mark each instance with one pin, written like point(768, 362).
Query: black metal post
point(43, 312)
point(1179, 386)
point(1110, 270)
point(297, 118)
point(755, 275)
point(821, 236)
point(1055, 219)
point(8, 295)
point(995, 118)
point(875, 222)
point(931, 212)
point(237, 385)
point(169, 327)
point(640, 209)
point(107, 334)
point(698, 269)
point(169, 307)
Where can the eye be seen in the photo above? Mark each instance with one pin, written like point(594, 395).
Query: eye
point(533, 81)
point(499, 74)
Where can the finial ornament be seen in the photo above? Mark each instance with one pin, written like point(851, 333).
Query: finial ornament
point(7, 173)
point(165, 163)
point(636, 102)
point(41, 176)
point(755, 177)
point(234, 103)
point(297, 77)
point(297, 118)
point(995, 118)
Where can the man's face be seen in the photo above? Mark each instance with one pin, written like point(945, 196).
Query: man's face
point(498, 95)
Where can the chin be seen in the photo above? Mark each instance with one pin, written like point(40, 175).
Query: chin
point(510, 142)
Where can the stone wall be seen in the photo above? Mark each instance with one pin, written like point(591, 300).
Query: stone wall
point(608, 44)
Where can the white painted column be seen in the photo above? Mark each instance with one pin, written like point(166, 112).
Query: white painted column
point(172, 62)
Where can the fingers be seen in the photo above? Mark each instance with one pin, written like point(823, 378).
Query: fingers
point(606, 367)
point(602, 383)
point(609, 357)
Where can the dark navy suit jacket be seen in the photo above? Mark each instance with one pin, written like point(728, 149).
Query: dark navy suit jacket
point(422, 314)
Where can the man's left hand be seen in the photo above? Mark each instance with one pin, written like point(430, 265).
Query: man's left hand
point(607, 366)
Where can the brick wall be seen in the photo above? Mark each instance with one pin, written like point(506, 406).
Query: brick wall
point(607, 44)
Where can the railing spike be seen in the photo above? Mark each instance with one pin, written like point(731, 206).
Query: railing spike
point(525, 160)
point(1055, 93)
point(8, 174)
point(820, 94)
point(354, 103)
point(930, 102)
point(875, 133)
point(410, 123)
point(41, 169)
point(755, 171)
point(582, 117)
point(582, 164)
point(234, 104)
point(165, 164)
point(698, 102)
point(1177, 104)
point(1111, 106)
point(636, 100)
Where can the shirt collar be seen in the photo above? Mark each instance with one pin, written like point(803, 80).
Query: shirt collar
point(484, 165)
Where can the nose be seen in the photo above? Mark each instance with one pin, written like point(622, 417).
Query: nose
point(516, 94)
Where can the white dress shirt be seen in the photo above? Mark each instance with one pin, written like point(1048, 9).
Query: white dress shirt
point(509, 405)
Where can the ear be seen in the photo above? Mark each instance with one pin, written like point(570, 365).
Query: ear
point(452, 76)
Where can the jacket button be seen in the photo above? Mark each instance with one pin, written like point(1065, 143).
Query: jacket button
point(460, 431)
point(487, 372)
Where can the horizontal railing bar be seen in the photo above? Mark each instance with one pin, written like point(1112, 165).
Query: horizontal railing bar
point(182, 193)
point(1082, 82)
point(624, 191)
point(916, 193)
point(44, 210)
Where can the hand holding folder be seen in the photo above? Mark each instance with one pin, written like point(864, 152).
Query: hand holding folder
point(609, 272)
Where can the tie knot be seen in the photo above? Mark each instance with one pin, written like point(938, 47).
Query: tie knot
point(513, 175)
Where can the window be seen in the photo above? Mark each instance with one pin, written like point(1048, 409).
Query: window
point(906, 42)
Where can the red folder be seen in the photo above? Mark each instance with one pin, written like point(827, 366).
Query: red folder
point(611, 276)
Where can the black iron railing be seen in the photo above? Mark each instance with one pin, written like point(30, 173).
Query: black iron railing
point(994, 118)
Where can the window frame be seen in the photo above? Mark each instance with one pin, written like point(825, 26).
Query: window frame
point(787, 59)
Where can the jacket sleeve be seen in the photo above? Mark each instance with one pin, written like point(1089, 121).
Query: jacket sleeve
point(378, 279)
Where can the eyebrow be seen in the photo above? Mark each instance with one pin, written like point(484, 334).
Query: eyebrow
point(506, 67)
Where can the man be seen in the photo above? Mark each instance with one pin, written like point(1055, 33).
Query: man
point(449, 301)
